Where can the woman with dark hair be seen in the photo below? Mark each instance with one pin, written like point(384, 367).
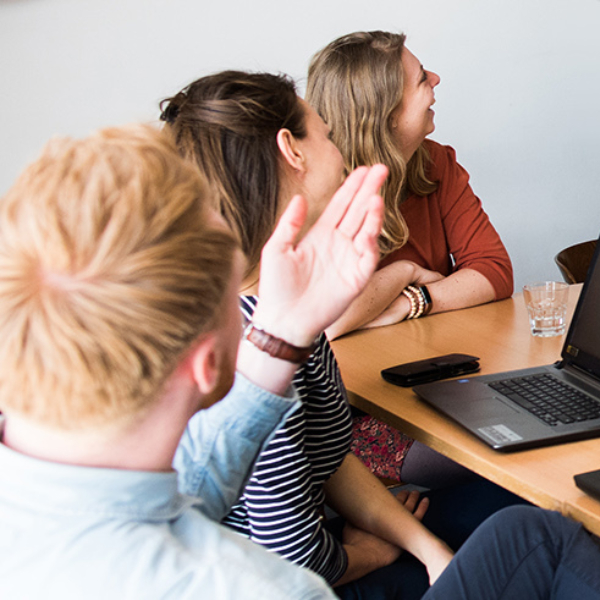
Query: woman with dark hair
point(377, 98)
point(258, 145)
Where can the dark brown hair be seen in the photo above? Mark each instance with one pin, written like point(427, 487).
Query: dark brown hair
point(227, 123)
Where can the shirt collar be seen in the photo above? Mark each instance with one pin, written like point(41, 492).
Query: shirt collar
point(49, 486)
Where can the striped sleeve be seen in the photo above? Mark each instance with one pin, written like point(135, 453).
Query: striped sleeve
point(281, 506)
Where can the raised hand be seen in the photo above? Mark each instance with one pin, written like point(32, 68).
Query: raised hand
point(306, 285)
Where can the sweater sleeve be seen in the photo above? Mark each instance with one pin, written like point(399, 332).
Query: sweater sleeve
point(472, 240)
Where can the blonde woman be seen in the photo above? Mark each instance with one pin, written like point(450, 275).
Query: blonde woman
point(377, 98)
point(439, 250)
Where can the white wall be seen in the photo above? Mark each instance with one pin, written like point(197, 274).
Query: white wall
point(517, 100)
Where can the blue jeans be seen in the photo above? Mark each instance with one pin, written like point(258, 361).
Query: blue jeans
point(523, 552)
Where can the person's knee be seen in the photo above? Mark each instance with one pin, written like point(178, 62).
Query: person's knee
point(425, 467)
point(531, 523)
point(522, 517)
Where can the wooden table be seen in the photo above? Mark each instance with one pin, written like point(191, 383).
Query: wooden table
point(499, 334)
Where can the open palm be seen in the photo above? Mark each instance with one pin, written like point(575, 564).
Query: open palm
point(316, 278)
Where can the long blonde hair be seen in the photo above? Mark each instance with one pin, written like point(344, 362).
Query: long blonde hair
point(355, 83)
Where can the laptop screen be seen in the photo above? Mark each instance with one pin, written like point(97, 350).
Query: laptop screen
point(582, 346)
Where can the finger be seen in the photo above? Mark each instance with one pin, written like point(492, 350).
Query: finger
point(352, 220)
point(411, 501)
point(366, 242)
point(402, 496)
point(367, 265)
point(421, 509)
point(366, 237)
point(291, 222)
point(337, 206)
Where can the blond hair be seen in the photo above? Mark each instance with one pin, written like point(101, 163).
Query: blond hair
point(109, 271)
point(355, 83)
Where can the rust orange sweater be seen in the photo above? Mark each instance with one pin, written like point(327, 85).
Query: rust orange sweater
point(449, 230)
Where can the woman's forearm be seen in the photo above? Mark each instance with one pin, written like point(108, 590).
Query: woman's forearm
point(356, 494)
point(383, 289)
point(461, 289)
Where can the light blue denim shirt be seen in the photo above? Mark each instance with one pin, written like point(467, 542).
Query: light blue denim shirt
point(219, 447)
point(69, 532)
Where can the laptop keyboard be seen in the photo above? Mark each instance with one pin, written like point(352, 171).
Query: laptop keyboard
point(549, 399)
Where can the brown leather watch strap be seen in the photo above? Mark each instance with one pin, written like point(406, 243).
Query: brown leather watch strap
point(276, 347)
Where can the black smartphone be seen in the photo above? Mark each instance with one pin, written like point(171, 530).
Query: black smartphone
point(431, 369)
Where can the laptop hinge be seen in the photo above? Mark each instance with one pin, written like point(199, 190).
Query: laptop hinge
point(582, 376)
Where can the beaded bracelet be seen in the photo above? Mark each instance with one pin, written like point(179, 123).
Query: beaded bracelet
point(420, 301)
point(414, 298)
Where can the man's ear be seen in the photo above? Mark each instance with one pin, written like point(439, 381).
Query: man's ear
point(205, 362)
point(290, 150)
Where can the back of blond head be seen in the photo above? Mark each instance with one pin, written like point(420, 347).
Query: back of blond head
point(355, 83)
point(109, 271)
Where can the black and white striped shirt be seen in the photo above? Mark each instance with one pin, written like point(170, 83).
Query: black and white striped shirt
point(281, 506)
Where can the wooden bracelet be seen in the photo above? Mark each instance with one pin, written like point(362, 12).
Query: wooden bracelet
point(276, 347)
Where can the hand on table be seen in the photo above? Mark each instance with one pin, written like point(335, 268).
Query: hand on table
point(399, 308)
point(381, 302)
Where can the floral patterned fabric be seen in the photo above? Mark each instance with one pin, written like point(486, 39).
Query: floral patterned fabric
point(380, 447)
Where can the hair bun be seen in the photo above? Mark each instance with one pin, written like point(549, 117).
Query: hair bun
point(170, 112)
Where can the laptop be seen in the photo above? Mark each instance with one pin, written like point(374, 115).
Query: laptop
point(537, 406)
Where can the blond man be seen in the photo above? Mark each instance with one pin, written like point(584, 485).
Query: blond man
point(118, 322)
